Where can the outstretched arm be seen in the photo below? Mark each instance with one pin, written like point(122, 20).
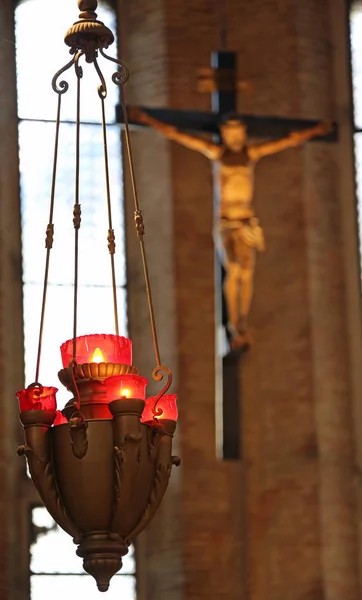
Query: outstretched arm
point(294, 139)
point(212, 151)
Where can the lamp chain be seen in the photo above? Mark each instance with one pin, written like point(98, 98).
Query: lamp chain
point(119, 78)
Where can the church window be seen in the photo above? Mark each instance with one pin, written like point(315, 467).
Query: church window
point(55, 570)
point(356, 55)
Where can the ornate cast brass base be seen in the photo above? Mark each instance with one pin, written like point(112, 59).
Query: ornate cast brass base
point(105, 494)
point(101, 553)
point(88, 34)
point(99, 371)
point(103, 474)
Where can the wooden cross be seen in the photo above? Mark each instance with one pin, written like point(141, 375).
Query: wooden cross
point(221, 81)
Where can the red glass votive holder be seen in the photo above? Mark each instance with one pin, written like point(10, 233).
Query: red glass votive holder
point(59, 418)
point(166, 407)
point(37, 398)
point(98, 348)
point(126, 386)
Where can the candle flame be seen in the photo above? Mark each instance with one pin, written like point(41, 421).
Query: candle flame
point(98, 356)
point(125, 393)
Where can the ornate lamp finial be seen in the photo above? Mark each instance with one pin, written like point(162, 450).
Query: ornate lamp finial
point(88, 34)
point(87, 4)
point(88, 8)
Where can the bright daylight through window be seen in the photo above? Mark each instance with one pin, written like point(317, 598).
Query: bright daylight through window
point(356, 50)
point(56, 572)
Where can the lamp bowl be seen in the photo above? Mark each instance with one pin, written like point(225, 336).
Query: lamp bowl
point(102, 480)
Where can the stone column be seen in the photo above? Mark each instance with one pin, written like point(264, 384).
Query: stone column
point(299, 381)
point(192, 549)
point(298, 537)
point(14, 573)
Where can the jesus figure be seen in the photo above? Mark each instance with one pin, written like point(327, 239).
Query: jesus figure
point(240, 232)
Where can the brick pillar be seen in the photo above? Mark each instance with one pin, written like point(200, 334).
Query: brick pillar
point(297, 539)
point(12, 582)
point(338, 16)
point(158, 550)
point(298, 401)
point(192, 549)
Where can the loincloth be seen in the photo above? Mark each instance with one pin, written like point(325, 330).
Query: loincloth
point(236, 234)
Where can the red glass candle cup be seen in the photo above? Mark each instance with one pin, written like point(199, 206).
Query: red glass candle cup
point(37, 398)
point(126, 386)
point(166, 407)
point(59, 418)
point(98, 348)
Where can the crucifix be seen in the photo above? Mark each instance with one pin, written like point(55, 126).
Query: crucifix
point(239, 236)
point(239, 233)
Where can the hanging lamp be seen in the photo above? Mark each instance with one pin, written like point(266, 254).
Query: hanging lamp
point(102, 464)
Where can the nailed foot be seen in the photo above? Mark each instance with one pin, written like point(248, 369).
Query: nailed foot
point(241, 341)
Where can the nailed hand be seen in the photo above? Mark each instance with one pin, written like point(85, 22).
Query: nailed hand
point(325, 127)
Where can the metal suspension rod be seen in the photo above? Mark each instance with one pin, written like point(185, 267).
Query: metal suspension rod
point(49, 238)
point(77, 207)
point(102, 92)
point(139, 226)
point(111, 236)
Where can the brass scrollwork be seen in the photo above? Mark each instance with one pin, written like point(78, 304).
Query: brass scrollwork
point(158, 375)
point(119, 77)
point(63, 86)
point(102, 89)
point(78, 68)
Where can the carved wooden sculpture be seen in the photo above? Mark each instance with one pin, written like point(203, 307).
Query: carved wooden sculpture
point(239, 230)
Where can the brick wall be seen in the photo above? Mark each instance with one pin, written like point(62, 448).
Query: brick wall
point(282, 525)
point(299, 440)
point(13, 580)
point(192, 548)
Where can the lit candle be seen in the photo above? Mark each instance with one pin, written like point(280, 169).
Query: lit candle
point(37, 398)
point(125, 393)
point(166, 409)
point(98, 348)
point(98, 356)
point(126, 386)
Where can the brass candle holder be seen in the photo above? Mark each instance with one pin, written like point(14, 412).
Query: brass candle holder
point(101, 466)
point(101, 479)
